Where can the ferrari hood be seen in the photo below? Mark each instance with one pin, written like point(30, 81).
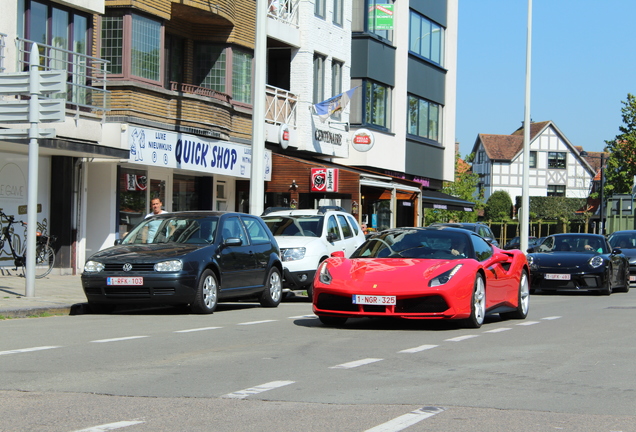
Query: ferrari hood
point(389, 270)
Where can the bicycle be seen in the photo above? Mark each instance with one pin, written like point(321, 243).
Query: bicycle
point(44, 253)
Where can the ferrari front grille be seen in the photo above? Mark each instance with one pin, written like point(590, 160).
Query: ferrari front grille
point(336, 303)
point(427, 304)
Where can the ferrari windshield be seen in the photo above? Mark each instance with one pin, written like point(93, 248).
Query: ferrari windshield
point(434, 244)
point(173, 230)
point(300, 225)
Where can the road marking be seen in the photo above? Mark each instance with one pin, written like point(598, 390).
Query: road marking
point(528, 323)
point(23, 350)
point(499, 330)
point(242, 394)
point(461, 338)
point(256, 322)
point(197, 329)
point(418, 349)
point(356, 363)
point(304, 316)
point(111, 426)
point(118, 339)
point(551, 318)
point(406, 420)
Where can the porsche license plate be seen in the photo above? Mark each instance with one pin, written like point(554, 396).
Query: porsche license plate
point(373, 300)
point(557, 276)
point(632, 278)
point(125, 281)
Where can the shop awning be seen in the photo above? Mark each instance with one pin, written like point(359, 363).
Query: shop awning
point(442, 201)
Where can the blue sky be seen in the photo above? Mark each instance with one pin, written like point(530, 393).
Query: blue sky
point(583, 67)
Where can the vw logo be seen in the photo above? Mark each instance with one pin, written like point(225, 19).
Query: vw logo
point(127, 267)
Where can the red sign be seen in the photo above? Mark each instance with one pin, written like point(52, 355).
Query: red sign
point(324, 180)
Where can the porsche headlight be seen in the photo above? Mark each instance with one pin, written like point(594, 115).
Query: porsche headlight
point(93, 267)
point(169, 266)
point(323, 274)
point(596, 261)
point(532, 262)
point(444, 277)
point(293, 254)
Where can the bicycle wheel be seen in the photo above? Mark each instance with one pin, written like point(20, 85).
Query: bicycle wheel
point(44, 260)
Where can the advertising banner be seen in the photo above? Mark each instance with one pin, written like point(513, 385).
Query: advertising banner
point(324, 180)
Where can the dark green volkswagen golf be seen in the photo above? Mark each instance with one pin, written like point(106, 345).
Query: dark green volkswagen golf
point(195, 258)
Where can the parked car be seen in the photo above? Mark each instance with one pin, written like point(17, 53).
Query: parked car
point(516, 242)
point(194, 258)
point(626, 241)
point(308, 237)
point(420, 273)
point(477, 227)
point(578, 262)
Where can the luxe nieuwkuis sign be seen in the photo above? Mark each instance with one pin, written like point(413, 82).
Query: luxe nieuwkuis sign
point(174, 150)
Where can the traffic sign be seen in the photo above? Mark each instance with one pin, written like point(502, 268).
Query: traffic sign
point(24, 133)
point(18, 83)
point(50, 110)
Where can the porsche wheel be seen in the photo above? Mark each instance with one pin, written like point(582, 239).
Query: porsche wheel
point(273, 293)
point(207, 295)
point(478, 304)
point(625, 287)
point(523, 301)
point(607, 286)
point(332, 321)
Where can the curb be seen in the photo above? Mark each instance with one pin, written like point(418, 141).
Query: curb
point(74, 309)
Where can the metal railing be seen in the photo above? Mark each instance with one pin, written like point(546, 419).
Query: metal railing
point(280, 106)
point(284, 10)
point(201, 91)
point(86, 75)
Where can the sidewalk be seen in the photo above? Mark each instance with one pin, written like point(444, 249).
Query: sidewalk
point(54, 294)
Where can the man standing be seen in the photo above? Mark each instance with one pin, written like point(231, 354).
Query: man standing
point(156, 206)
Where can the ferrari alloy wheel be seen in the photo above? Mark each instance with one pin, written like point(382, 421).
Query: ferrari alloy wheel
point(478, 304)
point(207, 295)
point(523, 301)
point(273, 293)
point(332, 321)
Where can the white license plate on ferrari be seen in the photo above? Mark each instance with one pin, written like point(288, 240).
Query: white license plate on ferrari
point(373, 300)
point(125, 281)
point(557, 276)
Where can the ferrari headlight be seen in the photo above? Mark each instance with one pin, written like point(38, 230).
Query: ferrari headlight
point(93, 267)
point(596, 261)
point(169, 266)
point(293, 254)
point(323, 274)
point(444, 277)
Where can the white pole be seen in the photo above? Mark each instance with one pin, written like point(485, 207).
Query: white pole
point(32, 187)
point(257, 184)
point(525, 194)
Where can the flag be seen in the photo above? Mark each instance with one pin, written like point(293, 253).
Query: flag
point(333, 105)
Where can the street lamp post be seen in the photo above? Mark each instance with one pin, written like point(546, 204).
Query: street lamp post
point(601, 225)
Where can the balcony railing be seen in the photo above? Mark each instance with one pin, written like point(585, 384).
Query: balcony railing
point(280, 106)
point(3, 45)
point(86, 75)
point(284, 10)
point(201, 91)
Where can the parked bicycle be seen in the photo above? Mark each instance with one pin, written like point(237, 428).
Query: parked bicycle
point(44, 253)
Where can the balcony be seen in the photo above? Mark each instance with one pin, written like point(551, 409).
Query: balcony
point(86, 75)
point(280, 106)
point(282, 22)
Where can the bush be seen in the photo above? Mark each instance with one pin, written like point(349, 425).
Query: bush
point(498, 207)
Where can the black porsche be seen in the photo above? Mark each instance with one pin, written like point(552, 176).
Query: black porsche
point(577, 262)
point(190, 258)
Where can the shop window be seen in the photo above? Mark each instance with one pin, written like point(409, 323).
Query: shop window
point(221, 196)
point(184, 193)
point(132, 186)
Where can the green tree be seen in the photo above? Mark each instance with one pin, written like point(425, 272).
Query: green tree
point(498, 207)
point(621, 164)
point(463, 187)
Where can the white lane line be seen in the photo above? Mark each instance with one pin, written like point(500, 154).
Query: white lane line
point(499, 330)
point(406, 420)
point(111, 426)
point(118, 339)
point(23, 350)
point(303, 316)
point(551, 318)
point(528, 323)
point(197, 329)
point(461, 338)
point(242, 394)
point(356, 363)
point(256, 322)
point(418, 349)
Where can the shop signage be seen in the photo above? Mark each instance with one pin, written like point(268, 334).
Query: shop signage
point(283, 136)
point(324, 180)
point(382, 17)
point(363, 140)
point(135, 182)
point(165, 149)
point(328, 137)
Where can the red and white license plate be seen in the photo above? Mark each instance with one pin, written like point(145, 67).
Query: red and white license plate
point(125, 281)
point(373, 300)
point(632, 278)
point(557, 276)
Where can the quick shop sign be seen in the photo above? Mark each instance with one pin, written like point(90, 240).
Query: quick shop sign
point(174, 150)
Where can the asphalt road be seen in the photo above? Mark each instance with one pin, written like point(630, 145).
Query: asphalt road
point(569, 366)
